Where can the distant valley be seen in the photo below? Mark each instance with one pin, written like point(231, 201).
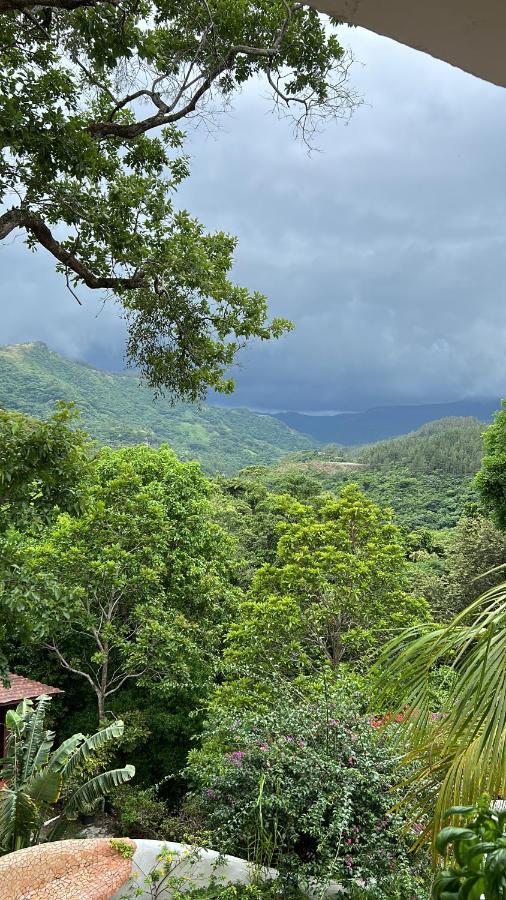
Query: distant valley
point(383, 422)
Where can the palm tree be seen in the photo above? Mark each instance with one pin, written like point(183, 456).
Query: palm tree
point(459, 754)
point(35, 776)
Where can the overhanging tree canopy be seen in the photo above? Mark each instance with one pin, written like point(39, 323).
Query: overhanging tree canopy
point(92, 95)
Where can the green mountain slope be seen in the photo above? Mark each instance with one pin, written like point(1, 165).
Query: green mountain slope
point(117, 409)
point(451, 446)
point(425, 476)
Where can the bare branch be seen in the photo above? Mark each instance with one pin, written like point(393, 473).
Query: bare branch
point(112, 690)
point(66, 665)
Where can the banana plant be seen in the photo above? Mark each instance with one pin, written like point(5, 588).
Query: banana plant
point(35, 777)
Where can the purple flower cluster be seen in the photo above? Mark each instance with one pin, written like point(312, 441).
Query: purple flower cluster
point(236, 757)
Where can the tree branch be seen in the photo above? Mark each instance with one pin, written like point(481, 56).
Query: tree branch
point(54, 649)
point(134, 129)
point(21, 218)
point(21, 5)
point(112, 690)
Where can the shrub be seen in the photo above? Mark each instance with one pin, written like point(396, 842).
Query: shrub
point(479, 854)
point(266, 890)
point(141, 814)
point(305, 788)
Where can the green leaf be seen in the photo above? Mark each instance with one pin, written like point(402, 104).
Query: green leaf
point(90, 745)
point(472, 889)
point(45, 787)
point(19, 816)
point(86, 796)
point(460, 811)
point(36, 740)
point(451, 834)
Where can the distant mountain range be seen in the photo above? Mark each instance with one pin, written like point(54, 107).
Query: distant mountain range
point(383, 422)
point(117, 409)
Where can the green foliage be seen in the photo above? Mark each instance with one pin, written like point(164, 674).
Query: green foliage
point(491, 479)
point(123, 847)
point(478, 849)
point(334, 594)
point(303, 787)
point(100, 168)
point(119, 409)
point(42, 466)
point(450, 446)
point(469, 562)
point(34, 776)
point(426, 477)
point(134, 588)
point(252, 515)
point(44, 469)
point(460, 751)
point(262, 890)
point(141, 814)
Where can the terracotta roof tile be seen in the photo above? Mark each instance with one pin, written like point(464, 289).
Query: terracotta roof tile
point(21, 688)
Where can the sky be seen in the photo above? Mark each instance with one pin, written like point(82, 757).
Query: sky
point(386, 246)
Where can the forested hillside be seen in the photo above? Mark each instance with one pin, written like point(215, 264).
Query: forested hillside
point(426, 477)
point(450, 446)
point(230, 633)
point(117, 409)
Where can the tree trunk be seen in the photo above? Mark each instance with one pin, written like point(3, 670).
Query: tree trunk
point(102, 690)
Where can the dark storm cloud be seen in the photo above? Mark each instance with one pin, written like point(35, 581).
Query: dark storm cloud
point(36, 306)
point(387, 248)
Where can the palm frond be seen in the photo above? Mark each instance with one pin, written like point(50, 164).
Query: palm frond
point(462, 754)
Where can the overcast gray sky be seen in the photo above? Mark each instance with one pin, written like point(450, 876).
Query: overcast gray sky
point(387, 248)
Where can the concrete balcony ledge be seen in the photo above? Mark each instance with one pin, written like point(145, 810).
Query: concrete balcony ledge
point(110, 869)
point(464, 33)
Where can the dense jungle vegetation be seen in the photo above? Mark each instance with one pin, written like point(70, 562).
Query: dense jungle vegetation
point(232, 627)
point(427, 477)
point(290, 662)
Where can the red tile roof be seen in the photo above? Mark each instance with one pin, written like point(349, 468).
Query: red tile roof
point(21, 688)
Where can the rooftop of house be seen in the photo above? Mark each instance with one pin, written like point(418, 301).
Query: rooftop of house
point(22, 688)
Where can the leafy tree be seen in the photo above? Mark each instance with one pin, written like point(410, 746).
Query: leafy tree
point(92, 97)
point(334, 593)
point(475, 555)
point(34, 776)
point(42, 466)
point(251, 514)
point(43, 469)
point(491, 479)
point(133, 589)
